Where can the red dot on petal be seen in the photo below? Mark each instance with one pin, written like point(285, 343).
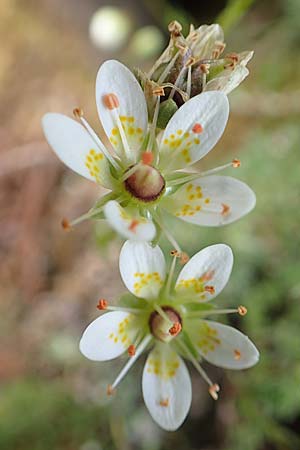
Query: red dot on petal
point(197, 128)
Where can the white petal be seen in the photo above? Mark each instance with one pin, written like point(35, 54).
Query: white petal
point(114, 78)
point(166, 387)
point(211, 201)
point(143, 268)
point(224, 346)
point(108, 336)
point(229, 81)
point(74, 147)
point(181, 146)
point(209, 268)
point(207, 35)
point(130, 226)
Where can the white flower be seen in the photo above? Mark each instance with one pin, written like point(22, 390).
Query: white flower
point(141, 172)
point(170, 319)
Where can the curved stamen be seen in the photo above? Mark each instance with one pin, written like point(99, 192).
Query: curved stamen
point(213, 387)
point(241, 310)
point(235, 163)
point(168, 235)
point(138, 351)
point(78, 113)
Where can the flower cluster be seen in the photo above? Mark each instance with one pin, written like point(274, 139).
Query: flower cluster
point(158, 125)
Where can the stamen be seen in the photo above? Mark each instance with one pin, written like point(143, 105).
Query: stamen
point(129, 172)
point(147, 339)
point(175, 255)
point(110, 390)
point(164, 402)
point(86, 216)
point(66, 224)
point(175, 28)
point(153, 125)
point(213, 390)
point(225, 209)
point(236, 163)
point(119, 125)
point(166, 232)
point(197, 366)
point(189, 82)
point(102, 304)
point(131, 350)
point(242, 310)
point(233, 56)
point(177, 82)
point(209, 289)
point(197, 314)
point(162, 314)
point(78, 113)
point(124, 309)
point(160, 92)
point(168, 68)
point(175, 329)
point(190, 61)
point(111, 101)
point(147, 158)
point(204, 68)
point(237, 354)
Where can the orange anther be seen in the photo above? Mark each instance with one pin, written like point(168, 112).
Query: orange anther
point(204, 68)
point(237, 354)
point(175, 253)
point(197, 128)
point(102, 304)
point(160, 92)
point(147, 158)
point(175, 329)
point(66, 224)
point(242, 310)
point(225, 209)
point(213, 390)
point(209, 289)
point(134, 223)
point(164, 402)
point(236, 163)
point(131, 350)
point(233, 56)
point(110, 390)
point(111, 101)
point(190, 61)
point(77, 112)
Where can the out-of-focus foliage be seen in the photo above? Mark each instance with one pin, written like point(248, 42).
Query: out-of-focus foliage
point(50, 397)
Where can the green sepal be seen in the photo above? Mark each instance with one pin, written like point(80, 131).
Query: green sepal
point(131, 301)
point(166, 110)
point(186, 339)
point(198, 307)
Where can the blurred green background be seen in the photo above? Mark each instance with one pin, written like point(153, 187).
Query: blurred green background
point(51, 398)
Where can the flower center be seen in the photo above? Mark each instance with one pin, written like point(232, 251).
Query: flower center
point(167, 327)
point(145, 183)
